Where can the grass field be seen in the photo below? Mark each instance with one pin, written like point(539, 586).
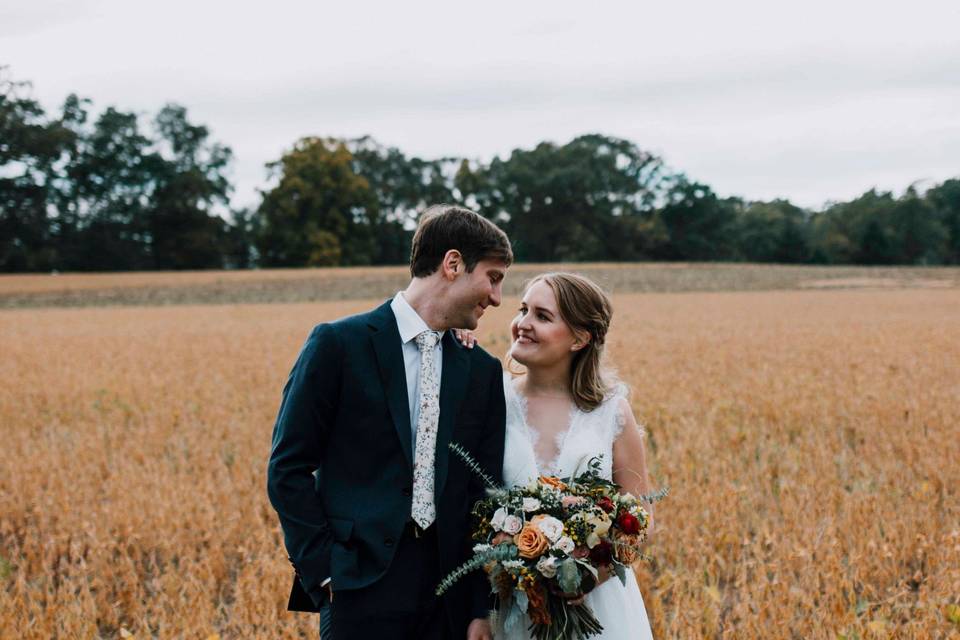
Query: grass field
point(809, 438)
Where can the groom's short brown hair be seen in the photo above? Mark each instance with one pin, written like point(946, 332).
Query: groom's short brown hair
point(444, 227)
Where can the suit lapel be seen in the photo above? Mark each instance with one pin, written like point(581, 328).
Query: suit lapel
point(393, 376)
point(453, 386)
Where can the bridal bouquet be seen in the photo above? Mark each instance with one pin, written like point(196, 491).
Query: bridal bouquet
point(543, 544)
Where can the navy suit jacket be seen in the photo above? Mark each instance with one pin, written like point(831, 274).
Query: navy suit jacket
point(340, 474)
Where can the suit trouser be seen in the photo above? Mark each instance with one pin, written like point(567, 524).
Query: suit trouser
point(401, 604)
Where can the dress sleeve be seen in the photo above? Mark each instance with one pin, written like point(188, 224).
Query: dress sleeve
point(623, 413)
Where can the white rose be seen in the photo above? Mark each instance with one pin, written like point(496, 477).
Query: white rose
point(512, 525)
point(565, 544)
point(547, 566)
point(497, 520)
point(530, 504)
point(551, 527)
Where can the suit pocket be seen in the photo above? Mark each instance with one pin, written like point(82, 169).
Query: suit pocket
point(344, 565)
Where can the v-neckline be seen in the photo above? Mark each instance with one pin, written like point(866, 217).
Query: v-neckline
point(544, 467)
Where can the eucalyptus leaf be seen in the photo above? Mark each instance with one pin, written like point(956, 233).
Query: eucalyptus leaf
point(621, 572)
point(569, 576)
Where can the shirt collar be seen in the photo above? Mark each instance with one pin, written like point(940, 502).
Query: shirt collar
point(409, 321)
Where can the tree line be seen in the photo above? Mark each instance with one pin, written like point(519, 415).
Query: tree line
point(81, 191)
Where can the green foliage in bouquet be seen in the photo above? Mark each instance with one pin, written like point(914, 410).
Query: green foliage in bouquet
point(480, 558)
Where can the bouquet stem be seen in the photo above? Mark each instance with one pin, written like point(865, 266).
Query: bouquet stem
point(567, 622)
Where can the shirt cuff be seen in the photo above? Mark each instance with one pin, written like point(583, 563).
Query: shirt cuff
point(325, 582)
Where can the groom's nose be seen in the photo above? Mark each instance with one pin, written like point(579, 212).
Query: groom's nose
point(495, 294)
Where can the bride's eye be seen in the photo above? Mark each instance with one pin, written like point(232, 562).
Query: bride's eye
point(522, 310)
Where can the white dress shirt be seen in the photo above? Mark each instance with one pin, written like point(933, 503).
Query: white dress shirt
point(410, 325)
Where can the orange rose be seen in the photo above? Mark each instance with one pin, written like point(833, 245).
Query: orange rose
point(531, 543)
point(553, 481)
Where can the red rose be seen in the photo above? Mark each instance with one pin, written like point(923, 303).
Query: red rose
point(606, 504)
point(602, 553)
point(628, 523)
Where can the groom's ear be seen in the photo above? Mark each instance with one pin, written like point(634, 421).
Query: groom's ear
point(452, 264)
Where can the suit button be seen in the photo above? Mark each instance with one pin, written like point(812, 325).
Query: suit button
point(388, 542)
point(407, 491)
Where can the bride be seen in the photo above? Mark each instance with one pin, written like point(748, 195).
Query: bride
point(566, 410)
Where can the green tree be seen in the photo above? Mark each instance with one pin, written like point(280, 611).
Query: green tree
point(402, 187)
point(240, 239)
point(320, 212)
point(945, 200)
point(109, 182)
point(30, 147)
point(857, 231)
point(776, 231)
point(918, 236)
point(699, 225)
point(189, 181)
point(585, 200)
point(877, 228)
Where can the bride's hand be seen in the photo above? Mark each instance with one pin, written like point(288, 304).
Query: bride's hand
point(466, 337)
point(604, 572)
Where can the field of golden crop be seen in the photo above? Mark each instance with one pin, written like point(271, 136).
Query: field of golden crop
point(811, 441)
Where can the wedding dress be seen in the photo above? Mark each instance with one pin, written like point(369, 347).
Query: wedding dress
point(619, 607)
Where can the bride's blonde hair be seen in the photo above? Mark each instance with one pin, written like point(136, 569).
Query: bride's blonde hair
point(586, 308)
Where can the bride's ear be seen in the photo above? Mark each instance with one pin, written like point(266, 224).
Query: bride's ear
point(582, 339)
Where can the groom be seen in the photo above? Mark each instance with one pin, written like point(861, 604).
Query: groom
point(374, 511)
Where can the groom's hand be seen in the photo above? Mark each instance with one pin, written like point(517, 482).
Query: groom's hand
point(480, 629)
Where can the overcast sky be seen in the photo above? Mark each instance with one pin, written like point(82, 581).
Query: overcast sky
point(811, 101)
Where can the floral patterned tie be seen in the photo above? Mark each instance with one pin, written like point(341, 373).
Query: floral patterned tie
point(424, 511)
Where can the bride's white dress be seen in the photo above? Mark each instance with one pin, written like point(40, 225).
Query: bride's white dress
point(618, 607)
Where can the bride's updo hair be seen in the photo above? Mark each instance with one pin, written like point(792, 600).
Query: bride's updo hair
point(585, 307)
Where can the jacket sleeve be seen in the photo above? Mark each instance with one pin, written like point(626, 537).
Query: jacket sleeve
point(307, 411)
point(491, 460)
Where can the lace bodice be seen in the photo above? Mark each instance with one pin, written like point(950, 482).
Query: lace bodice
point(588, 434)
